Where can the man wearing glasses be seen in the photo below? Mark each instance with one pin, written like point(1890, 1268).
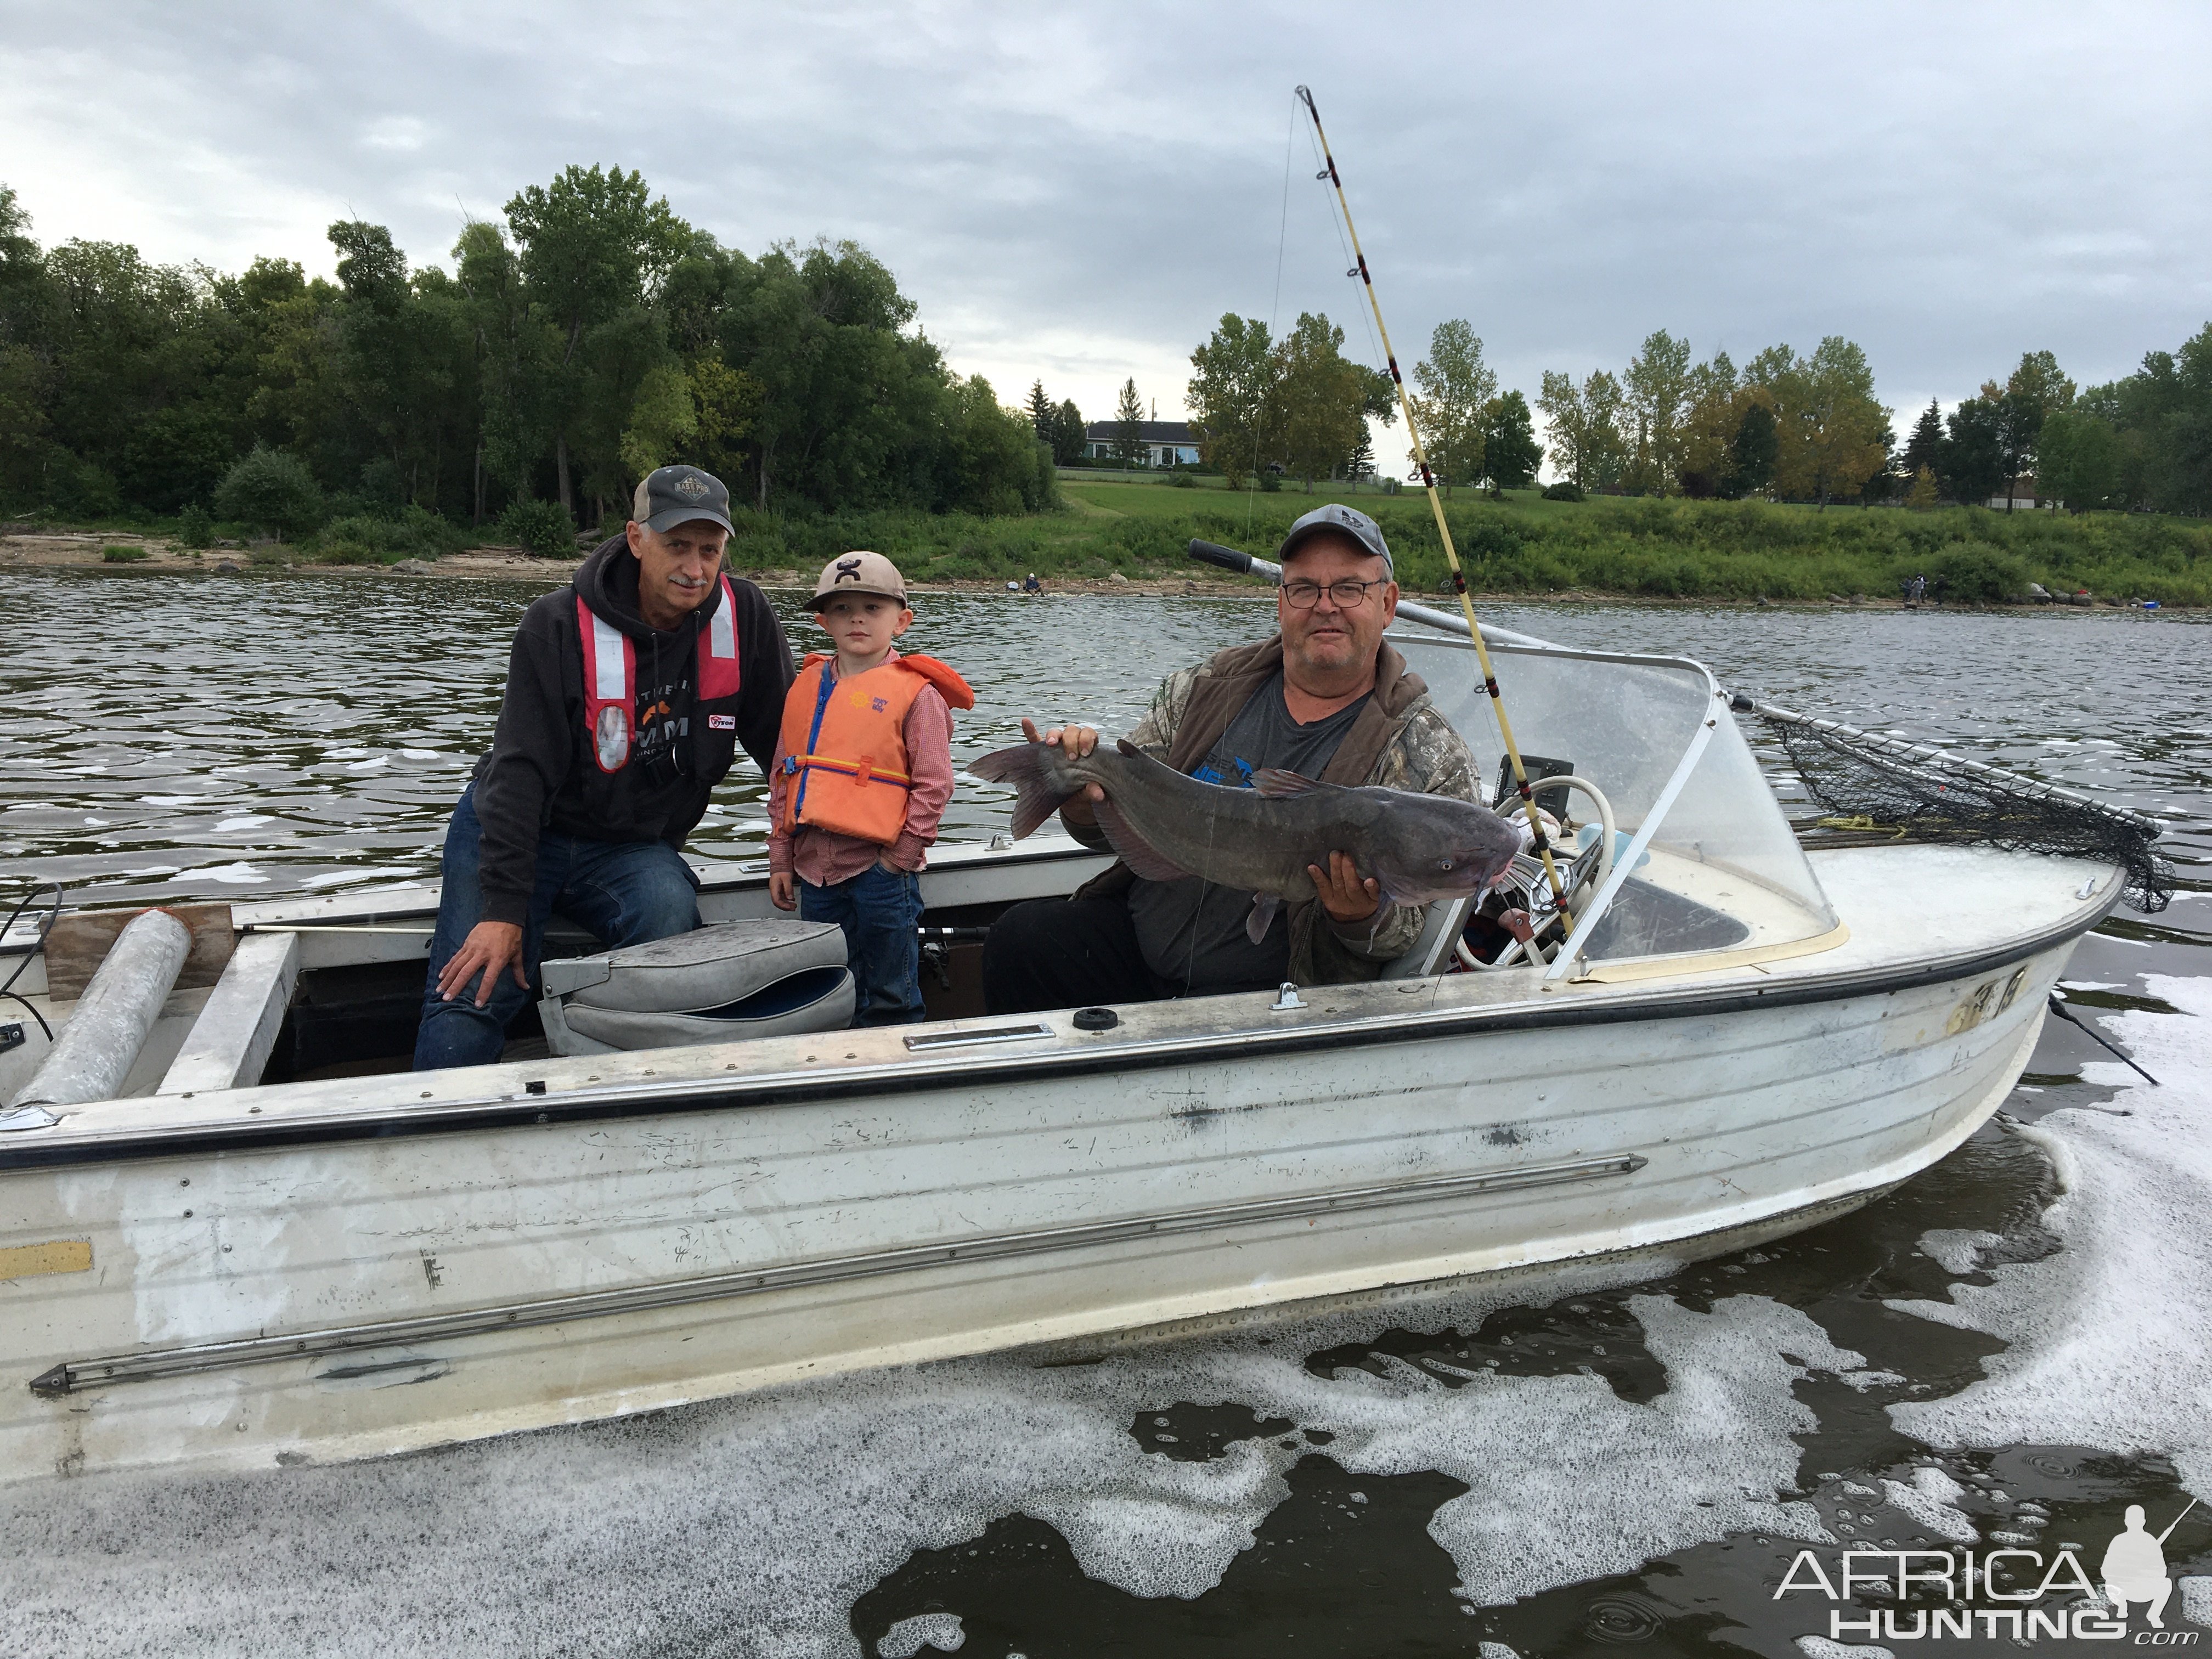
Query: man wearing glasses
point(1326, 697)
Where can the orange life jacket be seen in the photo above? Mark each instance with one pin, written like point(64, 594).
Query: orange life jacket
point(844, 744)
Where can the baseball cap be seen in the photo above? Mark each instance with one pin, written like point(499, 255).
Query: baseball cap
point(1345, 521)
point(670, 495)
point(859, 573)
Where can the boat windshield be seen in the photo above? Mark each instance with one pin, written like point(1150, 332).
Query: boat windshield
point(1722, 868)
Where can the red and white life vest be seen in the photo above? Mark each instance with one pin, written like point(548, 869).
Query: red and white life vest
point(611, 674)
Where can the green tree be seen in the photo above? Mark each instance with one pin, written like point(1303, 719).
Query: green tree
point(1324, 400)
point(1128, 425)
point(2078, 462)
point(1656, 392)
point(849, 400)
point(594, 244)
point(1832, 435)
point(1040, 411)
point(1753, 451)
point(1926, 443)
point(1067, 433)
point(1972, 464)
point(272, 490)
point(1454, 386)
point(1583, 422)
point(1234, 396)
point(1511, 453)
point(2029, 396)
point(1922, 496)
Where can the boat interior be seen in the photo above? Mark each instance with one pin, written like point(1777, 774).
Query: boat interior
point(1673, 852)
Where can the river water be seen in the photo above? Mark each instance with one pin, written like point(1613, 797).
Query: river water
point(2004, 1353)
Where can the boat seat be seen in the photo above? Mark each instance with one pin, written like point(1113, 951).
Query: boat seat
point(1447, 917)
point(720, 983)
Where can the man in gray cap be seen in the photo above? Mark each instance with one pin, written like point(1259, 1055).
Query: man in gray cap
point(629, 692)
point(1326, 697)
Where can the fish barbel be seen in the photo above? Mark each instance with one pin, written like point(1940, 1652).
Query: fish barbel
point(1419, 848)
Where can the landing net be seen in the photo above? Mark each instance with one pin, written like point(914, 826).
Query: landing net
point(1893, 789)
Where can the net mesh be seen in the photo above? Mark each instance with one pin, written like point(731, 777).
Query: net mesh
point(1887, 787)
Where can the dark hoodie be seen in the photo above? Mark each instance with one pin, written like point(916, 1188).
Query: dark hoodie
point(540, 771)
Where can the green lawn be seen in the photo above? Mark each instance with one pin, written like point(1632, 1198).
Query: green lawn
point(1523, 544)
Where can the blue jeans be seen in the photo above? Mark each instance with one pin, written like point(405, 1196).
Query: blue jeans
point(625, 892)
point(877, 910)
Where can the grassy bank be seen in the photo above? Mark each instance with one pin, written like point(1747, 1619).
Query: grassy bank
point(1526, 544)
point(1521, 544)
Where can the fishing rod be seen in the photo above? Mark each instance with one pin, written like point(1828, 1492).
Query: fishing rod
point(1539, 844)
point(2058, 1007)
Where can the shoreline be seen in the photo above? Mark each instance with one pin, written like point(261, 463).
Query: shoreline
point(83, 550)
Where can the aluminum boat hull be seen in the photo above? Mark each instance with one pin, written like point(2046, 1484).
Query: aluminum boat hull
point(344, 1269)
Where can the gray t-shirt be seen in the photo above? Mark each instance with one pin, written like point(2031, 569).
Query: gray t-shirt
point(1192, 931)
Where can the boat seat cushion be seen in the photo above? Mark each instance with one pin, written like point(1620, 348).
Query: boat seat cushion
point(717, 984)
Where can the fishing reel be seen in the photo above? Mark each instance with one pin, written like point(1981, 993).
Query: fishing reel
point(1520, 921)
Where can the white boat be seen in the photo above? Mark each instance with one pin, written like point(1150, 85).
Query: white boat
point(1745, 1037)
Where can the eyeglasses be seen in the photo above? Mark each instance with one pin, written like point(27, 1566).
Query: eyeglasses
point(1344, 595)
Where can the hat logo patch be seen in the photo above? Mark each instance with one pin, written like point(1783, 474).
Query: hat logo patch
point(690, 486)
point(849, 570)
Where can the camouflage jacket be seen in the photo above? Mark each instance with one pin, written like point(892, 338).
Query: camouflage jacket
point(1399, 742)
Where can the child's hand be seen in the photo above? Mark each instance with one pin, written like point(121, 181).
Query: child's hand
point(780, 890)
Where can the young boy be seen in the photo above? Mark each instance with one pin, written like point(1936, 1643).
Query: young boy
point(862, 771)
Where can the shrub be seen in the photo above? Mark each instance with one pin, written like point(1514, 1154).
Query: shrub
point(1562, 491)
point(1973, 573)
point(1182, 481)
point(123, 554)
point(195, 528)
point(271, 489)
point(543, 528)
point(386, 538)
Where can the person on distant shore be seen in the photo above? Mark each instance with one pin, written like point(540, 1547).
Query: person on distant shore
point(862, 771)
point(1326, 696)
point(629, 693)
point(1033, 585)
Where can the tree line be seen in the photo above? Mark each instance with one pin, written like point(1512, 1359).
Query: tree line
point(586, 337)
point(1786, 426)
point(2143, 441)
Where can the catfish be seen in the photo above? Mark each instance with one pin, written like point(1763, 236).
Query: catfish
point(1419, 848)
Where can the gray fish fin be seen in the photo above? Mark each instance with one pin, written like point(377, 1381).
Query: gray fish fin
point(1276, 784)
point(1264, 906)
point(1128, 748)
point(1029, 767)
point(1141, 855)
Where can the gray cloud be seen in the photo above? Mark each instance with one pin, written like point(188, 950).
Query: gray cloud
point(1079, 194)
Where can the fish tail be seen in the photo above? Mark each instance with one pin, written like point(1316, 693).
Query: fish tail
point(1042, 785)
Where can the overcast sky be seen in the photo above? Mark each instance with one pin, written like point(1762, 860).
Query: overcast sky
point(1077, 193)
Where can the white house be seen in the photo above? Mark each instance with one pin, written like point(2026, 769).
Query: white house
point(1166, 442)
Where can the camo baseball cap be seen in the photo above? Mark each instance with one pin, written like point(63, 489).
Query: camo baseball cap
point(1343, 521)
point(681, 495)
point(858, 573)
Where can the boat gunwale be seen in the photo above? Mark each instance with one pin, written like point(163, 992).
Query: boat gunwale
point(1590, 1003)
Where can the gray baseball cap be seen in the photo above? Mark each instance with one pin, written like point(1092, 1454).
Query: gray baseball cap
point(681, 495)
point(1343, 521)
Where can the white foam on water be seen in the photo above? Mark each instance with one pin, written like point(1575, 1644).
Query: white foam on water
point(1820, 1647)
point(751, 1526)
point(1958, 1250)
point(250, 821)
point(2108, 1341)
point(1930, 1500)
point(908, 1636)
point(240, 874)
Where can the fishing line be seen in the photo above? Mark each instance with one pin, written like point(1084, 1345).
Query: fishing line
point(1540, 843)
point(1274, 306)
point(2058, 1007)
